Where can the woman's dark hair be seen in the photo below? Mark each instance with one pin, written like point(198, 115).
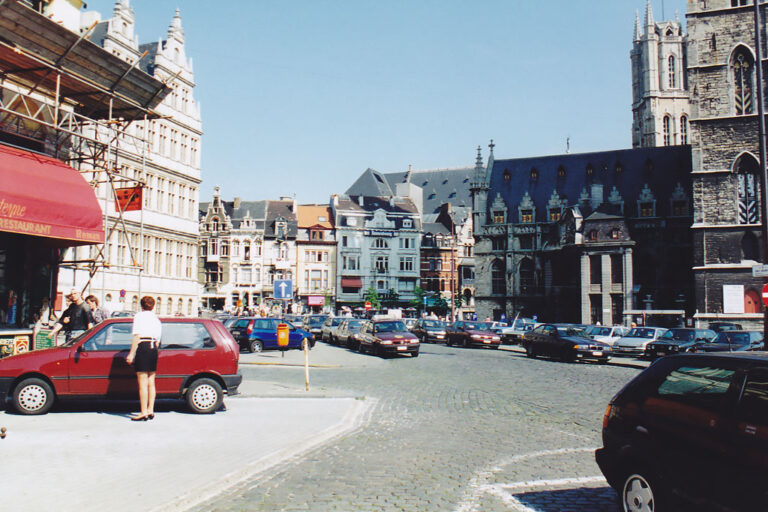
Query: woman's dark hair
point(92, 298)
point(147, 303)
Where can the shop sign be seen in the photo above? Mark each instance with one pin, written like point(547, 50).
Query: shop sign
point(128, 199)
point(43, 339)
point(20, 344)
point(316, 300)
point(379, 232)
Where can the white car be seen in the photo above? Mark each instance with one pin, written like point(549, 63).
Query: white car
point(606, 333)
point(515, 332)
point(634, 343)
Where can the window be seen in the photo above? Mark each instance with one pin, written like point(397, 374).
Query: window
point(747, 170)
point(617, 268)
point(595, 269)
point(739, 3)
point(499, 243)
point(615, 234)
point(382, 264)
point(114, 337)
point(179, 336)
point(667, 134)
point(406, 264)
point(407, 243)
point(561, 172)
point(534, 174)
point(527, 282)
point(554, 214)
point(407, 223)
point(344, 241)
point(498, 217)
point(498, 279)
point(683, 129)
point(381, 243)
point(703, 386)
point(753, 407)
point(316, 235)
point(671, 72)
point(350, 262)
point(507, 175)
point(526, 216)
point(526, 242)
point(742, 68)
point(593, 235)
point(646, 209)
point(679, 208)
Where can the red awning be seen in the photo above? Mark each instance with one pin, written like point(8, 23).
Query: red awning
point(42, 196)
point(351, 282)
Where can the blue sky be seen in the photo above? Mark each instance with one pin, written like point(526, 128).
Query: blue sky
point(300, 97)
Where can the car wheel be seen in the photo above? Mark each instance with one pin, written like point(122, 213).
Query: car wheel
point(33, 396)
point(204, 396)
point(642, 494)
point(255, 346)
point(529, 351)
point(448, 341)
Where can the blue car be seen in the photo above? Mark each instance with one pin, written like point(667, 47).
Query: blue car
point(263, 335)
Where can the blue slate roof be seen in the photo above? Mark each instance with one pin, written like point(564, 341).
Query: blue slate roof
point(440, 186)
point(662, 168)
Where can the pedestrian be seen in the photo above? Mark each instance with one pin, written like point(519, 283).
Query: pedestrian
point(100, 313)
point(76, 319)
point(147, 330)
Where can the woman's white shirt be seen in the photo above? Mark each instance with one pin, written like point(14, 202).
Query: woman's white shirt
point(147, 325)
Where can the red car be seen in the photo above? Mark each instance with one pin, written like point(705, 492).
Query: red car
point(387, 337)
point(197, 361)
point(468, 334)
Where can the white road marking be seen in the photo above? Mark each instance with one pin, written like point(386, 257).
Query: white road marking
point(478, 484)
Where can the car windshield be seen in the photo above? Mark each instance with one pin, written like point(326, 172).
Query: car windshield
point(571, 331)
point(596, 330)
point(315, 321)
point(75, 340)
point(679, 335)
point(336, 320)
point(733, 338)
point(477, 326)
point(641, 332)
point(354, 325)
point(395, 326)
point(434, 324)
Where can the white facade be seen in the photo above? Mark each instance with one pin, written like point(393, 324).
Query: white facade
point(152, 251)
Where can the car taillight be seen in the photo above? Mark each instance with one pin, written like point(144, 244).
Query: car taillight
point(249, 330)
point(607, 415)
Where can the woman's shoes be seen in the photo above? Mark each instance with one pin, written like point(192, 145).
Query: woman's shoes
point(139, 418)
point(151, 416)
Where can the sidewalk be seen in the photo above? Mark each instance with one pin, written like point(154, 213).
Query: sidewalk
point(90, 460)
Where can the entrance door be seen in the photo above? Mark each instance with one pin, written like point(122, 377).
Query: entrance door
point(751, 302)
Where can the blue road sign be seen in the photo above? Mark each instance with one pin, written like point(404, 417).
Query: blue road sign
point(283, 289)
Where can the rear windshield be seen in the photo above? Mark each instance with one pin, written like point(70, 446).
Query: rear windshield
point(679, 335)
point(640, 332)
point(395, 326)
point(733, 338)
point(599, 331)
point(315, 321)
point(436, 324)
point(477, 325)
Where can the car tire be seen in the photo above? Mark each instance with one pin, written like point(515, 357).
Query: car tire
point(255, 346)
point(529, 352)
point(448, 341)
point(642, 492)
point(33, 396)
point(204, 396)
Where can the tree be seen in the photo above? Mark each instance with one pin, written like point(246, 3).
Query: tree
point(372, 296)
point(391, 298)
point(418, 302)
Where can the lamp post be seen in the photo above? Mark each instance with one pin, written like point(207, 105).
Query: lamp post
point(762, 149)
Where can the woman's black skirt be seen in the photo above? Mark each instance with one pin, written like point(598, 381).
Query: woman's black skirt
point(146, 357)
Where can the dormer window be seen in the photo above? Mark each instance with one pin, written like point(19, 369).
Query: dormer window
point(534, 174)
point(316, 234)
point(593, 235)
point(554, 214)
point(322, 219)
point(618, 168)
point(646, 209)
point(214, 225)
point(615, 233)
point(507, 175)
point(407, 223)
point(526, 216)
point(498, 217)
point(590, 171)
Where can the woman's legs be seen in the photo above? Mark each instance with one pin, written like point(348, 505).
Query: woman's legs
point(151, 393)
point(143, 378)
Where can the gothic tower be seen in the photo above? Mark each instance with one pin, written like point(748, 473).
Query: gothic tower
point(660, 111)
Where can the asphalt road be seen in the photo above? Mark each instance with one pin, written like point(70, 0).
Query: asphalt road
point(454, 429)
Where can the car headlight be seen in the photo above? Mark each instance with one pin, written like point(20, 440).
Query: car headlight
point(476, 336)
point(496, 338)
point(386, 342)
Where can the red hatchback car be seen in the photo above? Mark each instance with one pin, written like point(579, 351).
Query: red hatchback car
point(198, 361)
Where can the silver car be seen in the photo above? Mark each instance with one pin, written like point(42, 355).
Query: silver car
point(634, 343)
point(606, 333)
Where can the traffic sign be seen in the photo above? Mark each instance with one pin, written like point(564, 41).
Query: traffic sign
point(765, 294)
point(760, 271)
point(283, 289)
point(368, 305)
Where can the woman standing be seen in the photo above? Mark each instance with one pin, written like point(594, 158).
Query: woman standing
point(146, 339)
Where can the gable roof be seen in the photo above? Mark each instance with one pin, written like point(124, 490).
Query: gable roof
point(440, 186)
point(370, 183)
point(309, 216)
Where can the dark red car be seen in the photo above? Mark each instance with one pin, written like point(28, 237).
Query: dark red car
point(197, 361)
point(468, 334)
point(387, 337)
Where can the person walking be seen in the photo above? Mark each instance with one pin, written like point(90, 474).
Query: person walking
point(100, 313)
point(147, 330)
point(76, 319)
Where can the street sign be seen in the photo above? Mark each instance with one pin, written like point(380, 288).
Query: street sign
point(368, 306)
point(283, 289)
point(765, 294)
point(760, 271)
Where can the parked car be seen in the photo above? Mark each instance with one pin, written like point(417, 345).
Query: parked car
point(606, 333)
point(241, 329)
point(295, 320)
point(732, 341)
point(678, 340)
point(123, 314)
point(197, 361)
point(386, 337)
point(229, 322)
point(496, 327)
point(564, 342)
point(724, 326)
point(329, 328)
point(635, 341)
point(470, 334)
point(347, 333)
point(314, 324)
point(264, 335)
point(409, 322)
point(690, 428)
point(513, 334)
point(429, 330)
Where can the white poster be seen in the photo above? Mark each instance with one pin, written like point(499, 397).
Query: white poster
point(733, 298)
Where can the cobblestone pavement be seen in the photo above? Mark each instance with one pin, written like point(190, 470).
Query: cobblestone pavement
point(454, 429)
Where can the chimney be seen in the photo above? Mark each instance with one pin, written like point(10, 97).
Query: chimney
point(236, 203)
point(335, 200)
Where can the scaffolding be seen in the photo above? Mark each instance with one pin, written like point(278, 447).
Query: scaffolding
point(62, 95)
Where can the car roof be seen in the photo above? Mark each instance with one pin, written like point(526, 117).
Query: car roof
point(761, 357)
point(164, 319)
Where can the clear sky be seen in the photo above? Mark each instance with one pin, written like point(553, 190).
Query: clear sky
point(300, 96)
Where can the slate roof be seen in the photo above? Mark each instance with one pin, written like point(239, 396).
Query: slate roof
point(440, 186)
point(371, 204)
point(277, 209)
point(371, 183)
point(662, 168)
point(257, 210)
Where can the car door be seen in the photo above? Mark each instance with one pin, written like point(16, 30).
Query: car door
point(268, 332)
point(186, 349)
point(239, 330)
point(98, 365)
point(550, 343)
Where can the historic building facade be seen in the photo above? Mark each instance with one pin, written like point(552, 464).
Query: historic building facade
point(153, 251)
point(316, 258)
point(583, 237)
point(660, 106)
point(726, 172)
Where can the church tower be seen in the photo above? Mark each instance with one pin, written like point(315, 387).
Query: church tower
point(660, 110)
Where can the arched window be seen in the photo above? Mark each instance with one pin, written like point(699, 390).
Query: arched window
point(747, 169)
point(190, 305)
point(749, 247)
point(671, 73)
point(684, 129)
point(667, 131)
point(742, 66)
point(527, 282)
point(214, 225)
point(158, 306)
point(170, 306)
point(498, 279)
point(180, 308)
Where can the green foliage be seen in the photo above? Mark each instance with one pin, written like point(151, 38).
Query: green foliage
point(372, 296)
point(418, 302)
point(390, 298)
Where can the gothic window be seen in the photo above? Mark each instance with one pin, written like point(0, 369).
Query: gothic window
point(667, 131)
point(671, 72)
point(507, 175)
point(679, 201)
point(498, 280)
point(743, 69)
point(554, 214)
point(526, 216)
point(746, 172)
point(498, 217)
point(749, 247)
point(684, 129)
point(527, 282)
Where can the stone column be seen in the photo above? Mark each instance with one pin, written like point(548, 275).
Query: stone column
point(629, 282)
point(605, 273)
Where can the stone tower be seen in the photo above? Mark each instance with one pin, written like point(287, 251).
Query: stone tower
point(660, 113)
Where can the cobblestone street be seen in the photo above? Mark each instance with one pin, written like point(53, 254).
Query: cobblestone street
point(455, 429)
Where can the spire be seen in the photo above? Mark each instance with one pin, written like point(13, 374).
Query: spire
point(491, 145)
point(175, 27)
point(648, 14)
point(638, 33)
point(479, 159)
point(677, 16)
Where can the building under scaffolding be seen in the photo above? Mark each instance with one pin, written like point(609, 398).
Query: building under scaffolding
point(123, 117)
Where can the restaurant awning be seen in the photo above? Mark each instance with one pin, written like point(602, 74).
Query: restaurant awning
point(42, 196)
point(351, 282)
